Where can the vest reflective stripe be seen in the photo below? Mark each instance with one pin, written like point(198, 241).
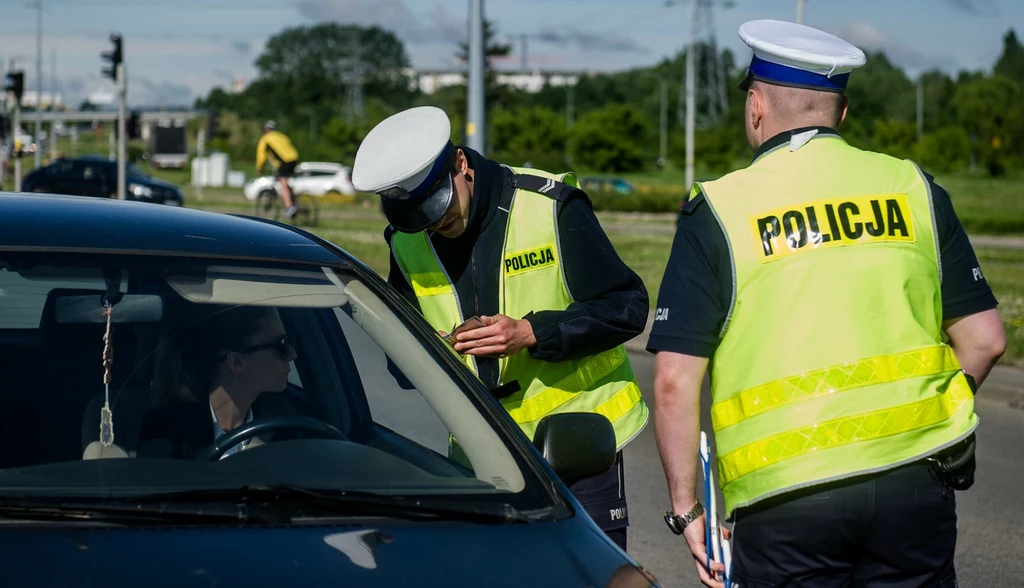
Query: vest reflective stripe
point(803, 392)
point(833, 380)
point(543, 403)
point(531, 280)
point(438, 301)
point(844, 431)
point(430, 284)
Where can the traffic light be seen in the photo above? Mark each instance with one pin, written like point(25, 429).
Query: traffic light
point(15, 82)
point(212, 123)
point(131, 126)
point(114, 57)
point(5, 128)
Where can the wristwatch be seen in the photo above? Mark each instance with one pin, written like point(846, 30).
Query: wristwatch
point(677, 523)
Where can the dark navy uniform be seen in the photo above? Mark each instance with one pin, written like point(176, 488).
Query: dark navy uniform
point(611, 302)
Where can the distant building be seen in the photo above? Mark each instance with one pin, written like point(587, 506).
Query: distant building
point(430, 81)
point(30, 100)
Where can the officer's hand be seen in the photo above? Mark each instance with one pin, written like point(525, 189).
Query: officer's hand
point(694, 535)
point(501, 337)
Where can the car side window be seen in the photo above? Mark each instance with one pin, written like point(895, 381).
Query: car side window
point(393, 403)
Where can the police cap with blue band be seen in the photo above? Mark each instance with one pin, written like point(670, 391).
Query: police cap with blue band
point(790, 54)
point(407, 160)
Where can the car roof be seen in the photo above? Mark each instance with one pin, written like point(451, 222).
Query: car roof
point(43, 222)
point(320, 165)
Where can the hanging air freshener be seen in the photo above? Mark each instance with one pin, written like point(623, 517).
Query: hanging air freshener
point(106, 416)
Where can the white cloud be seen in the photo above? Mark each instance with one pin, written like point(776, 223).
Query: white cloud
point(871, 38)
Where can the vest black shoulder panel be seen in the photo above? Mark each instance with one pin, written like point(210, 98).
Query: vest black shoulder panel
point(550, 188)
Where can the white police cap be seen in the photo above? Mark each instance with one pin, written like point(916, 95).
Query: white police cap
point(791, 54)
point(406, 159)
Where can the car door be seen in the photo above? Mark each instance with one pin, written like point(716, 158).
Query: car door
point(92, 179)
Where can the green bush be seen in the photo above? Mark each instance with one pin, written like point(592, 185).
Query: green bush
point(946, 150)
point(640, 201)
point(610, 139)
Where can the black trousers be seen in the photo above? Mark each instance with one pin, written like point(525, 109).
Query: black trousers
point(896, 529)
point(604, 499)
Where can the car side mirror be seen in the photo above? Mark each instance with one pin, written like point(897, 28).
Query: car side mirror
point(578, 445)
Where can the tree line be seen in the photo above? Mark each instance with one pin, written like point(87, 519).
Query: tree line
point(610, 122)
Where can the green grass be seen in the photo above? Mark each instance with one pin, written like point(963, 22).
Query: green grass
point(1004, 271)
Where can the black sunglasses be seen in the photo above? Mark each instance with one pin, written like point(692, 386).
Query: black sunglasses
point(281, 344)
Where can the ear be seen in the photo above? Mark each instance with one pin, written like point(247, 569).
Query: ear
point(235, 362)
point(461, 162)
point(842, 110)
point(756, 99)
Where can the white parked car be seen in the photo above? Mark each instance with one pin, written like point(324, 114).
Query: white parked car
point(315, 178)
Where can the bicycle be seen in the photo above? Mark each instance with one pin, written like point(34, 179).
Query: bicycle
point(270, 204)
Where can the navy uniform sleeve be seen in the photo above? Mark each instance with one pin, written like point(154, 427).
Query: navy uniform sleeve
point(395, 276)
point(696, 291)
point(610, 300)
point(964, 288)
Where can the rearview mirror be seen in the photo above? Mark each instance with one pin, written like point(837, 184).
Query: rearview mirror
point(578, 445)
point(88, 309)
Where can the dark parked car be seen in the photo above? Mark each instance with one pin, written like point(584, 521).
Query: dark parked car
point(97, 176)
point(343, 473)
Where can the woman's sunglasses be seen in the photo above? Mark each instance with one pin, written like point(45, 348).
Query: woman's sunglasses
point(281, 344)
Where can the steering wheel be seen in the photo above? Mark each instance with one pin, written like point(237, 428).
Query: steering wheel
point(249, 430)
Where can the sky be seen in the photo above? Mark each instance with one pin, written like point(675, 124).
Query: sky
point(176, 50)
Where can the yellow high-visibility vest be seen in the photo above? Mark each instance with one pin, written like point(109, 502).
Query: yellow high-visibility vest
point(531, 280)
point(831, 362)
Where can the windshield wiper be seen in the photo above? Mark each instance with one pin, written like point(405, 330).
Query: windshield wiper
point(121, 512)
point(282, 499)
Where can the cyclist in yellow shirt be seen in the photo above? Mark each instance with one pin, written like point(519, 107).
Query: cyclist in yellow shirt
point(277, 147)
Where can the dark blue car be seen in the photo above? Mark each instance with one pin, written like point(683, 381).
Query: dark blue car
point(197, 399)
point(97, 176)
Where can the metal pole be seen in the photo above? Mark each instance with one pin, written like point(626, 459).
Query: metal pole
point(15, 127)
point(53, 105)
point(570, 105)
point(663, 145)
point(920, 107)
point(800, 11)
point(39, 83)
point(74, 139)
point(691, 106)
point(475, 124)
point(122, 140)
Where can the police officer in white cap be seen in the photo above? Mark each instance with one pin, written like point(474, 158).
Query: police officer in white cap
point(840, 306)
point(522, 250)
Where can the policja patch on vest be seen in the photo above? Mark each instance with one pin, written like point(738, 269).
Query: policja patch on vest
point(525, 261)
point(837, 222)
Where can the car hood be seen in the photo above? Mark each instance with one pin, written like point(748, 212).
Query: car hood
point(560, 553)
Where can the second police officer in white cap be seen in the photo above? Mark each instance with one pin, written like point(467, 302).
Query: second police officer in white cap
point(522, 250)
point(819, 284)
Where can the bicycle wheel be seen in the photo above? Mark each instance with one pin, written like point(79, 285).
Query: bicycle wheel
point(268, 205)
point(307, 210)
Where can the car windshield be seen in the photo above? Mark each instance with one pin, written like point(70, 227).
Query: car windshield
point(226, 375)
point(135, 172)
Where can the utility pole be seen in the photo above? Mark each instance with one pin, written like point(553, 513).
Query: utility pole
point(663, 146)
point(53, 105)
point(920, 106)
point(691, 102)
point(39, 83)
point(800, 11)
point(476, 121)
point(354, 71)
point(522, 55)
point(122, 135)
point(14, 82)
